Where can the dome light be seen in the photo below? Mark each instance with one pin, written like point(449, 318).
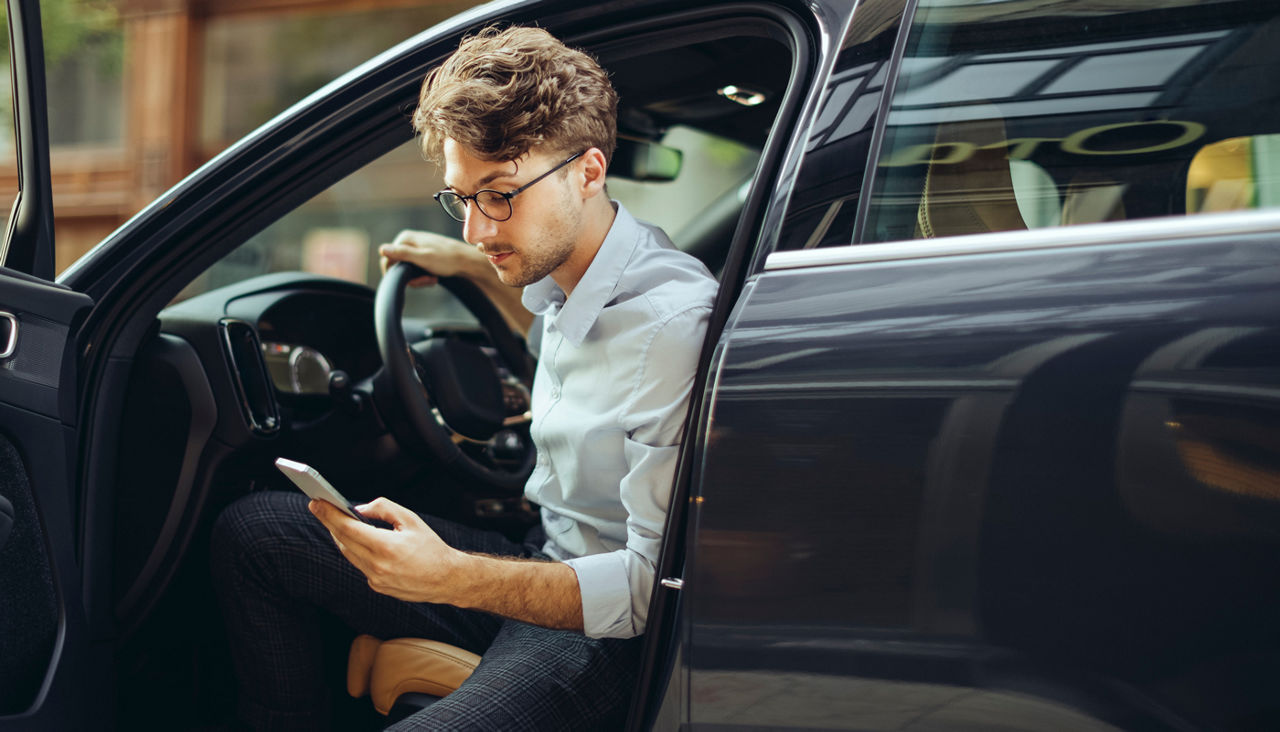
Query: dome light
point(742, 95)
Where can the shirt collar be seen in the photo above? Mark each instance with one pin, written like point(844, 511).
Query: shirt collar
point(576, 315)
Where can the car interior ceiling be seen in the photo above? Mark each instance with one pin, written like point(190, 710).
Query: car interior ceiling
point(675, 85)
point(680, 86)
point(685, 86)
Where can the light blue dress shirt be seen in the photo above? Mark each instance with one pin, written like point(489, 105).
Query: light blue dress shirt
point(616, 362)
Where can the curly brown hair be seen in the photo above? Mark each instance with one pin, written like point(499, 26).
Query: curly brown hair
point(505, 92)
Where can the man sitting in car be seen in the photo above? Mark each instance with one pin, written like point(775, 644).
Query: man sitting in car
point(525, 128)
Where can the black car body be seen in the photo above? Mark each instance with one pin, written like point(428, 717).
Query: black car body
point(1024, 474)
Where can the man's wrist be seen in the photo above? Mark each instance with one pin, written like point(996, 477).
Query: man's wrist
point(462, 577)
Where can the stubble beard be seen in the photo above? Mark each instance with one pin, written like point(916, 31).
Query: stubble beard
point(556, 242)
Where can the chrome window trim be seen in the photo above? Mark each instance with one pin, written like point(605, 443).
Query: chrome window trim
point(1235, 223)
point(11, 343)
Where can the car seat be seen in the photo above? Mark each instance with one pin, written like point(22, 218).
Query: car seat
point(407, 672)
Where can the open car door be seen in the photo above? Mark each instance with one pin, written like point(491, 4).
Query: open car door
point(51, 674)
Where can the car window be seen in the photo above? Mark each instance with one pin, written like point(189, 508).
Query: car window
point(1239, 173)
point(254, 65)
point(9, 181)
point(711, 167)
point(1012, 116)
point(825, 198)
point(337, 232)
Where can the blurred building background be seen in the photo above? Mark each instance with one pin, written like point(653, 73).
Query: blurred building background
point(141, 92)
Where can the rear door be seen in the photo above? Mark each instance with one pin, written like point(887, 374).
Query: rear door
point(48, 676)
point(1006, 454)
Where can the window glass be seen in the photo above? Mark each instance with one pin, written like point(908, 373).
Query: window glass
point(337, 233)
point(84, 66)
point(84, 73)
point(84, 69)
point(255, 66)
point(1239, 173)
point(1013, 116)
point(828, 185)
point(8, 138)
point(711, 168)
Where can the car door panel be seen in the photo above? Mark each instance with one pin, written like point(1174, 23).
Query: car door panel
point(43, 313)
point(28, 606)
point(52, 673)
point(41, 614)
point(1043, 476)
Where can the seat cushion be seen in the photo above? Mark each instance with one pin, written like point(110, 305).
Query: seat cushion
point(387, 669)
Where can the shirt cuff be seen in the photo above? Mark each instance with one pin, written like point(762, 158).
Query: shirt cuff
point(606, 595)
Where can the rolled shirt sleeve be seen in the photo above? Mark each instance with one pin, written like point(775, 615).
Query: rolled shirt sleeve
point(616, 585)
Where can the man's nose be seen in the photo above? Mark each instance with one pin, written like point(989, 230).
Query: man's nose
point(477, 226)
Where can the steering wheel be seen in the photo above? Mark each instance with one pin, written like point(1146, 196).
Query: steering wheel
point(451, 398)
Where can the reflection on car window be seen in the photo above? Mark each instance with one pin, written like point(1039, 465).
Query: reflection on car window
point(1096, 116)
point(1239, 173)
point(829, 182)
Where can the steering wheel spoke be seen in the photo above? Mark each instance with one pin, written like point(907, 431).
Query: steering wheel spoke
point(459, 404)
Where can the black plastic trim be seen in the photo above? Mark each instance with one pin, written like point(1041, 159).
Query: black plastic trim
point(184, 508)
point(905, 20)
point(28, 243)
point(254, 391)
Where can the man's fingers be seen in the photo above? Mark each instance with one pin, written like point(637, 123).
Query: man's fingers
point(344, 528)
point(395, 251)
point(321, 510)
point(392, 253)
point(387, 510)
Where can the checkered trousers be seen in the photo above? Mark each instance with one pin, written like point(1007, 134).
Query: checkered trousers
point(280, 580)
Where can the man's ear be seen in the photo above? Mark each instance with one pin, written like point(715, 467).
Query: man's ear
point(593, 169)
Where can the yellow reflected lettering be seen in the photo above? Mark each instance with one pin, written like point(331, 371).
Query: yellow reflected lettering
point(945, 153)
point(1020, 148)
point(1191, 131)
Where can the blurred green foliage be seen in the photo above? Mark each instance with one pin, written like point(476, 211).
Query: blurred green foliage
point(77, 26)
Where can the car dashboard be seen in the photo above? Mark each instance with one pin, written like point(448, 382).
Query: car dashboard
point(280, 365)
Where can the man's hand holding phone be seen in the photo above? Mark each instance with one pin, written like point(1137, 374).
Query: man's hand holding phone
point(410, 561)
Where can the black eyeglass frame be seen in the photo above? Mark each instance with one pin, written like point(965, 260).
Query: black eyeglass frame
point(461, 200)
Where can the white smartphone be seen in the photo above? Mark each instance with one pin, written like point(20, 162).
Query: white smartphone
point(313, 484)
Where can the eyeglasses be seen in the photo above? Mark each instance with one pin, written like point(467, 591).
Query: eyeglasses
point(494, 204)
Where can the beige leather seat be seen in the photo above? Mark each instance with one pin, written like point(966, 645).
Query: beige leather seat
point(387, 670)
point(975, 194)
point(1093, 199)
point(979, 192)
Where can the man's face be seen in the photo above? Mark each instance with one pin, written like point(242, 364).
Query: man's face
point(546, 218)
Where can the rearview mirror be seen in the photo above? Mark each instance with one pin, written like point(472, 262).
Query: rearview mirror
point(645, 161)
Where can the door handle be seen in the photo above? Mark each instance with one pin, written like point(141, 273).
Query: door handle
point(8, 334)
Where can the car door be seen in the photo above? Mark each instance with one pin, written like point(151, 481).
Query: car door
point(1004, 455)
point(48, 673)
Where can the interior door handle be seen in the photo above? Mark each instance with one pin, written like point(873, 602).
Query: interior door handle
point(8, 334)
